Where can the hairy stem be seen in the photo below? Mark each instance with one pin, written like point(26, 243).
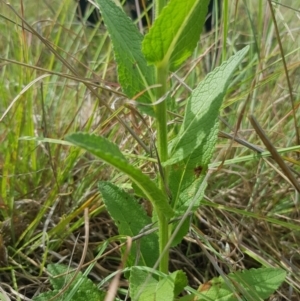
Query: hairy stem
point(162, 150)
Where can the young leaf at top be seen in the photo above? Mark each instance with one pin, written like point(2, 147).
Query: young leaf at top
point(175, 33)
point(201, 114)
point(130, 219)
point(134, 74)
point(110, 153)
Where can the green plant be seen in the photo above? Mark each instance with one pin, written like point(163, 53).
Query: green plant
point(79, 287)
point(144, 64)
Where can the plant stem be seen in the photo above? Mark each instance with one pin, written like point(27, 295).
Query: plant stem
point(163, 234)
point(162, 150)
point(161, 115)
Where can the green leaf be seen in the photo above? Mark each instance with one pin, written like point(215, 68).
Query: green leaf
point(147, 288)
point(130, 219)
point(142, 284)
point(184, 183)
point(81, 288)
point(110, 153)
point(255, 284)
point(134, 74)
point(175, 33)
point(47, 296)
point(187, 176)
point(185, 180)
point(183, 230)
point(180, 281)
point(197, 134)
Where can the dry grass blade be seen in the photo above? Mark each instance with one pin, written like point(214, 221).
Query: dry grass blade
point(113, 287)
point(286, 72)
point(241, 141)
point(286, 170)
point(4, 295)
point(74, 71)
point(216, 266)
point(84, 252)
point(89, 81)
point(21, 93)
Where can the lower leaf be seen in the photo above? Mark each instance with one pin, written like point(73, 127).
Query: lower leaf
point(130, 218)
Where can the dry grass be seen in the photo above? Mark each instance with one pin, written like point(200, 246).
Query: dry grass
point(250, 216)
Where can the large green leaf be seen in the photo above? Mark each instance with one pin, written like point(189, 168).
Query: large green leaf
point(134, 74)
point(202, 110)
point(110, 153)
point(175, 33)
point(187, 174)
point(130, 219)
